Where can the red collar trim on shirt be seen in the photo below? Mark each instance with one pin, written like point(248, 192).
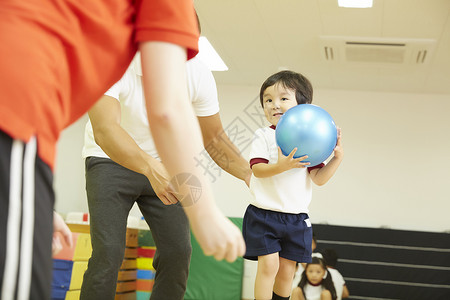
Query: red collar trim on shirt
point(320, 283)
point(273, 127)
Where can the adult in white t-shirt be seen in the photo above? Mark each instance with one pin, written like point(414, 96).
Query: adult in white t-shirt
point(123, 167)
point(338, 282)
point(330, 258)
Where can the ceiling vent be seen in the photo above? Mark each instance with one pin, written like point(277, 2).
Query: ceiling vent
point(376, 51)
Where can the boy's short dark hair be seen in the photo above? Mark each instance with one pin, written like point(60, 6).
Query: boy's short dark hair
point(291, 80)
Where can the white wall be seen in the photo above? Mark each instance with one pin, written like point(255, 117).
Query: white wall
point(396, 170)
point(69, 182)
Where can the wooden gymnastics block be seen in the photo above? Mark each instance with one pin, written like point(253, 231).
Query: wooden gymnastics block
point(126, 286)
point(145, 274)
point(67, 274)
point(146, 251)
point(58, 293)
point(73, 295)
point(62, 274)
point(145, 238)
point(81, 249)
point(128, 263)
point(80, 228)
point(140, 295)
point(78, 269)
point(144, 285)
point(126, 296)
point(144, 263)
point(127, 275)
point(131, 252)
point(132, 237)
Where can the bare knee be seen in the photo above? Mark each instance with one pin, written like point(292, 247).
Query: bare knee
point(286, 270)
point(268, 267)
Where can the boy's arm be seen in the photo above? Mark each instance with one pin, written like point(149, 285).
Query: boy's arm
point(322, 175)
point(222, 150)
point(177, 138)
point(105, 118)
point(284, 163)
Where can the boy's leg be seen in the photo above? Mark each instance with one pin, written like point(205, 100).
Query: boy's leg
point(283, 280)
point(26, 221)
point(170, 230)
point(110, 191)
point(265, 275)
point(276, 297)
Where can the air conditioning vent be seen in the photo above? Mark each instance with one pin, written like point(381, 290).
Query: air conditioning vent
point(421, 56)
point(376, 51)
point(329, 53)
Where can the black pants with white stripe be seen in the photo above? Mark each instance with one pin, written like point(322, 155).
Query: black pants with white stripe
point(26, 221)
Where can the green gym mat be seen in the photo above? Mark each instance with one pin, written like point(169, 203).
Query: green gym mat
point(214, 280)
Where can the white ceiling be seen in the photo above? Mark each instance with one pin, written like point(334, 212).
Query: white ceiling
point(257, 38)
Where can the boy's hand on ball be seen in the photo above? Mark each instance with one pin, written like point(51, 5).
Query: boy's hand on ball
point(289, 162)
point(338, 150)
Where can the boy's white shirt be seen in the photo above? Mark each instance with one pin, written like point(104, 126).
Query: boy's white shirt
point(129, 92)
point(288, 192)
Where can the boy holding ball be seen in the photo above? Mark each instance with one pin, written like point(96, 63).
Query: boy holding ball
point(276, 227)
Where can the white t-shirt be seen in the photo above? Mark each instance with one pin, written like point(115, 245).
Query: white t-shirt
point(288, 192)
point(129, 92)
point(313, 292)
point(338, 282)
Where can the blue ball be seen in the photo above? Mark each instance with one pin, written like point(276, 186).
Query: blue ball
point(310, 129)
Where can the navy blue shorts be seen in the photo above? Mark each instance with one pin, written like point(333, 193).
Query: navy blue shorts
point(267, 232)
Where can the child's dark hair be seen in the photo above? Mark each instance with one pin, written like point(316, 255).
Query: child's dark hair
point(327, 282)
point(330, 257)
point(314, 237)
point(291, 80)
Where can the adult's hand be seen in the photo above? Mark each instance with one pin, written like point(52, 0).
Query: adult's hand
point(160, 180)
point(60, 226)
point(218, 236)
